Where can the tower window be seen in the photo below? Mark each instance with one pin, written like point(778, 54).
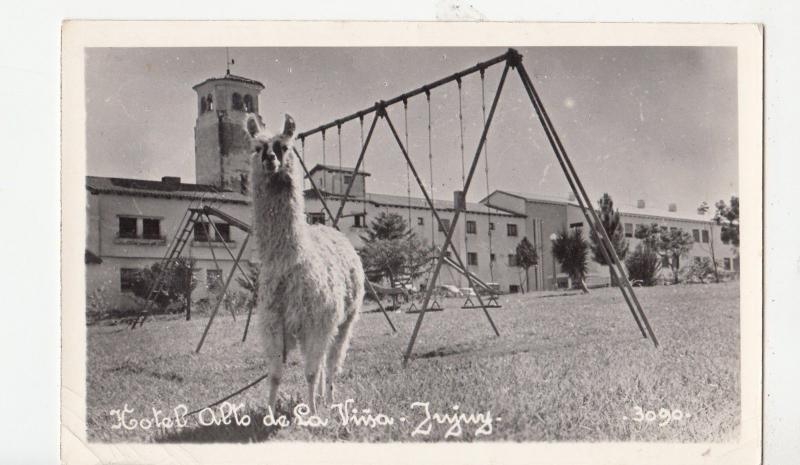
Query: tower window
point(203, 105)
point(243, 183)
point(237, 102)
point(248, 103)
point(223, 232)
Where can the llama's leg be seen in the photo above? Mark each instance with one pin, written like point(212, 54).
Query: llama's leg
point(314, 349)
point(337, 352)
point(274, 342)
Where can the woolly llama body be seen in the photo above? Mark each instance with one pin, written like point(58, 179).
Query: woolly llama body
point(311, 282)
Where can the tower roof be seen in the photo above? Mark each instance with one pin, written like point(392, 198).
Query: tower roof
point(232, 77)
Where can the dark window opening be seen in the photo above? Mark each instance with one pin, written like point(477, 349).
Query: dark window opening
point(628, 229)
point(726, 264)
point(512, 259)
point(237, 102)
point(243, 183)
point(316, 218)
point(705, 237)
point(248, 103)
point(511, 229)
point(223, 232)
point(513, 288)
point(151, 228)
point(491, 226)
point(472, 227)
point(696, 235)
point(472, 258)
point(347, 180)
point(358, 221)
point(665, 261)
point(127, 279)
point(444, 226)
point(201, 232)
point(420, 220)
point(214, 279)
point(209, 103)
point(576, 225)
point(492, 258)
point(127, 228)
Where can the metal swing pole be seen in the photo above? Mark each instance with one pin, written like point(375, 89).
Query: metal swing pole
point(450, 231)
point(580, 193)
point(219, 302)
point(355, 171)
point(214, 255)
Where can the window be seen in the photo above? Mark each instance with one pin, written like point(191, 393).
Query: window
point(127, 279)
point(726, 263)
point(214, 279)
point(665, 261)
point(511, 229)
point(420, 220)
point(472, 227)
point(472, 258)
point(223, 232)
point(696, 235)
point(491, 226)
point(576, 225)
point(628, 229)
point(316, 218)
point(201, 232)
point(209, 102)
point(348, 178)
point(513, 288)
point(151, 228)
point(446, 224)
point(248, 103)
point(127, 227)
point(243, 183)
point(358, 221)
point(237, 102)
point(492, 258)
point(512, 259)
point(203, 105)
point(705, 236)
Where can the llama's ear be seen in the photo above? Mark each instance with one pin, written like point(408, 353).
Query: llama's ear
point(288, 127)
point(252, 126)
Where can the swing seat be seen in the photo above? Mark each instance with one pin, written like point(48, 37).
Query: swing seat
point(490, 303)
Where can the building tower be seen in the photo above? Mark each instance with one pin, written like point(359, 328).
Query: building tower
point(221, 141)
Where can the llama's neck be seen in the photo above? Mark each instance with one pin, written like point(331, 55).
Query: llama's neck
point(280, 222)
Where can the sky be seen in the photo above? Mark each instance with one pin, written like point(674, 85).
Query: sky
point(651, 123)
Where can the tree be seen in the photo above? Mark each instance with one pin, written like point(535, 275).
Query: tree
point(610, 220)
point(391, 249)
point(180, 283)
point(526, 258)
point(572, 252)
point(643, 265)
point(669, 243)
point(703, 209)
point(727, 217)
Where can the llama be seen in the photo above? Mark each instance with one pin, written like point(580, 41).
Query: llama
point(311, 283)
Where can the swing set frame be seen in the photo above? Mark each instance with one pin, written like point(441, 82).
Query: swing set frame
point(512, 60)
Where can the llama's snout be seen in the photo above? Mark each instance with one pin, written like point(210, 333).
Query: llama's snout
point(269, 160)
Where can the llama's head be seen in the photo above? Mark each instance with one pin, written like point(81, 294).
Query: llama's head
point(273, 162)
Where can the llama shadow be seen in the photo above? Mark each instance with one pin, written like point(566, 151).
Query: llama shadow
point(254, 431)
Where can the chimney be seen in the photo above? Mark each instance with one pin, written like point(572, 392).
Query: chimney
point(171, 181)
point(672, 207)
point(640, 203)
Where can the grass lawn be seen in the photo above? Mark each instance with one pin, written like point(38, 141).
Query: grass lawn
point(569, 367)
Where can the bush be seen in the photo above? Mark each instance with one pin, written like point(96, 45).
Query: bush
point(700, 271)
point(643, 266)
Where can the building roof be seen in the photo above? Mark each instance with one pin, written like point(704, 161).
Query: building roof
point(625, 210)
point(401, 201)
point(166, 188)
point(232, 77)
point(343, 169)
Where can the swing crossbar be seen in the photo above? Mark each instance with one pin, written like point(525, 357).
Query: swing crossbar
point(482, 66)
